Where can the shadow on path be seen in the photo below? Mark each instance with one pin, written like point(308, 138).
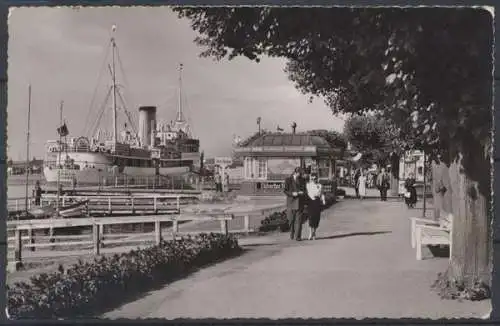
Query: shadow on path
point(339, 236)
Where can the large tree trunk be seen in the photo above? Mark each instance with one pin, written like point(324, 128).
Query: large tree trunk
point(470, 252)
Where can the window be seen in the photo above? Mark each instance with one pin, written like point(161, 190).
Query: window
point(248, 167)
point(261, 169)
point(324, 169)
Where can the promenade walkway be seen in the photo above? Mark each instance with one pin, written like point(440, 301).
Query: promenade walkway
point(362, 265)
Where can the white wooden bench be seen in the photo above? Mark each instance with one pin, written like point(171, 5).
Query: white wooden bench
point(418, 220)
point(437, 233)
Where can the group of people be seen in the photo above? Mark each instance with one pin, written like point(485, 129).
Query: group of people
point(304, 197)
point(382, 182)
point(221, 180)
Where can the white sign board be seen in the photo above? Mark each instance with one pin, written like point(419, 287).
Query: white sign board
point(223, 161)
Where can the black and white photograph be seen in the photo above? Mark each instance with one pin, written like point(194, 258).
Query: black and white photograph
point(249, 162)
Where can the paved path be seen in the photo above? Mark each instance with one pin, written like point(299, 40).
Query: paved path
point(361, 266)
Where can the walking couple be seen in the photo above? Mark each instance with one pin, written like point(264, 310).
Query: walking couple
point(300, 193)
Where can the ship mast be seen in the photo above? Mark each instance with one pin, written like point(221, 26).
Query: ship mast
point(59, 167)
point(28, 150)
point(179, 108)
point(113, 75)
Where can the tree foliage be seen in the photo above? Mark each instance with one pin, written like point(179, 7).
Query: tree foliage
point(427, 70)
point(334, 138)
point(373, 136)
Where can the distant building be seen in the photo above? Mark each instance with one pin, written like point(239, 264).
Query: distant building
point(19, 167)
point(269, 159)
point(411, 162)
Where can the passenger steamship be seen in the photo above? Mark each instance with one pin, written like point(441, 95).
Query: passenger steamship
point(158, 148)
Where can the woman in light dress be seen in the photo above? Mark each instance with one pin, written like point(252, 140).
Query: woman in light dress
point(315, 204)
point(362, 184)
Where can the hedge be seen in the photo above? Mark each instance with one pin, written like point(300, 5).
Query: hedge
point(86, 289)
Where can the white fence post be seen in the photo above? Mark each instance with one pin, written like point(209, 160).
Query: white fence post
point(31, 238)
point(18, 250)
point(157, 232)
point(101, 235)
point(155, 207)
point(246, 220)
point(175, 228)
point(109, 205)
point(223, 227)
point(97, 245)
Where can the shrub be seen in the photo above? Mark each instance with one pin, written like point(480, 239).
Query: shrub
point(85, 288)
point(275, 221)
point(340, 192)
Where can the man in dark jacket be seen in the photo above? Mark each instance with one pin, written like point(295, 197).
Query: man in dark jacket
point(357, 174)
point(383, 183)
point(295, 191)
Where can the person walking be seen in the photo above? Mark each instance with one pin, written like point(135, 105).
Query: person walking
point(411, 191)
point(315, 204)
point(362, 185)
point(38, 193)
point(226, 182)
point(218, 182)
point(383, 184)
point(356, 182)
point(74, 183)
point(294, 191)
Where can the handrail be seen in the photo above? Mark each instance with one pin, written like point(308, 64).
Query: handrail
point(98, 235)
point(167, 196)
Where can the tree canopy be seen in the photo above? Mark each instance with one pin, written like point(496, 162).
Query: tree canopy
point(334, 138)
point(427, 70)
point(371, 135)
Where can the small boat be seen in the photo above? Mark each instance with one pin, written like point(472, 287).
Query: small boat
point(72, 210)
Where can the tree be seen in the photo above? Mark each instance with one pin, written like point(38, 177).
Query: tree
point(371, 135)
point(427, 70)
point(334, 138)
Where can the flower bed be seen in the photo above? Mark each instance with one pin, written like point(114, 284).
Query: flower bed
point(86, 289)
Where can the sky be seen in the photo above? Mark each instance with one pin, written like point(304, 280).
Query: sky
point(61, 52)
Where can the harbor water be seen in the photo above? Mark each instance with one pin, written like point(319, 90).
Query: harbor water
point(16, 185)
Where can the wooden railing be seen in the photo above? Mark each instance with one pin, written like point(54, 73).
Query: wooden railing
point(98, 239)
point(22, 233)
point(128, 204)
point(18, 203)
point(109, 204)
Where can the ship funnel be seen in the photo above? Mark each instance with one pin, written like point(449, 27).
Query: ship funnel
point(147, 122)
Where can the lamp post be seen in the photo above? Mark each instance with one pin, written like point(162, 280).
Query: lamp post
point(424, 201)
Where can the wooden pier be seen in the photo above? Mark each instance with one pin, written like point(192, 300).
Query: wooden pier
point(102, 205)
